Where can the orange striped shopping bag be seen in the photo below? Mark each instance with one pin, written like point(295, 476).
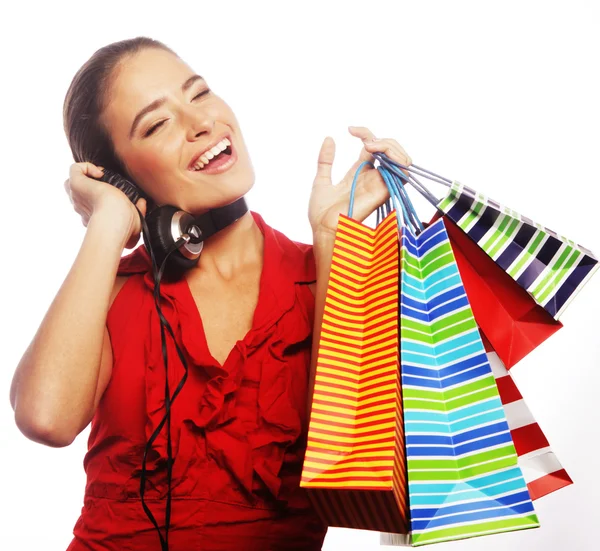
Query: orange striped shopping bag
point(354, 469)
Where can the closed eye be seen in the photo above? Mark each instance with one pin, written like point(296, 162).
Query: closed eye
point(201, 94)
point(153, 128)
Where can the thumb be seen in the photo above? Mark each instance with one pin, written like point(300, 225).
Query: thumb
point(325, 162)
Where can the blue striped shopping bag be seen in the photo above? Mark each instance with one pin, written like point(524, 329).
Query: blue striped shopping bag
point(462, 466)
point(463, 476)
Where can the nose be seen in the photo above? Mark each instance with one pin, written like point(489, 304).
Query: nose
point(197, 122)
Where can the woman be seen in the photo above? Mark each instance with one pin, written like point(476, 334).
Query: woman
point(244, 316)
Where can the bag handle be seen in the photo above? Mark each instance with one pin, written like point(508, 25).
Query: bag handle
point(395, 180)
point(405, 210)
point(394, 167)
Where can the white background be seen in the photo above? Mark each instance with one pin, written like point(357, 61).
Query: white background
point(503, 96)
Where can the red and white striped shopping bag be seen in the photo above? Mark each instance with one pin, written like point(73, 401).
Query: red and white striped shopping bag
point(542, 471)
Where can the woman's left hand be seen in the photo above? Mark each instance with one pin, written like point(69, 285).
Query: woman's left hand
point(327, 201)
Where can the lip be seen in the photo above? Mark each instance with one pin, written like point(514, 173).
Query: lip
point(223, 166)
point(207, 148)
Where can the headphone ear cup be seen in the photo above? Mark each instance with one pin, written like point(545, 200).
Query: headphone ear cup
point(159, 222)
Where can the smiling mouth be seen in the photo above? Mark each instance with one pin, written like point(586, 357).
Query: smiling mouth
point(213, 157)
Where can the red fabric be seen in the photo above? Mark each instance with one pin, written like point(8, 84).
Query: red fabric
point(238, 429)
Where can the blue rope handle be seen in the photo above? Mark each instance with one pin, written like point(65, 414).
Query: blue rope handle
point(353, 188)
point(389, 185)
point(394, 167)
point(405, 210)
point(409, 216)
point(406, 199)
point(395, 180)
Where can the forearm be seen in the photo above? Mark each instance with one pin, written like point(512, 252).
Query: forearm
point(323, 251)
point(55, 382)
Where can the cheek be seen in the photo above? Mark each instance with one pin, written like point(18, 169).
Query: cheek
point(156, 159)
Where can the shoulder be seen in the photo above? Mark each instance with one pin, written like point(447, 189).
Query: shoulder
point(136, 262)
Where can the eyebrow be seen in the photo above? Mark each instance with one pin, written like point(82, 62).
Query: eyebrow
point(158, 102)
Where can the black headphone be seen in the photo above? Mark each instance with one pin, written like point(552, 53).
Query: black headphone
point(174, 240)
point(167, 224)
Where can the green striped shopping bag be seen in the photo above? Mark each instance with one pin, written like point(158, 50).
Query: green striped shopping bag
point(463, 474)
point(550, 267)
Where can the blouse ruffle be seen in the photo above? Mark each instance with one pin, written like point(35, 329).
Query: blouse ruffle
point(283, 320)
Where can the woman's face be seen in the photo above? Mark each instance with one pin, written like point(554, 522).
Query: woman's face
point(162, 118)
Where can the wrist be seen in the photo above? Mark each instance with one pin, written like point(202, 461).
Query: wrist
point(323, 238)
point(111, 225)
point(323, 243)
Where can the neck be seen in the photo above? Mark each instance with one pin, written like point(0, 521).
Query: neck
point(233, 247)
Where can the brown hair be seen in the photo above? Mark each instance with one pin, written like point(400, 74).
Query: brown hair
point(87, 97)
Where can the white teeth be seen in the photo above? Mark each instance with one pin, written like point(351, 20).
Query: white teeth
point(204, 159)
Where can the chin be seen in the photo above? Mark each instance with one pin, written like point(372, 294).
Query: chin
point(201, 203)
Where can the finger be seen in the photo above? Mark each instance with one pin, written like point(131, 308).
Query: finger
point(325, 162)
point(391, 148)
point(88, 169)
point(361, 132)
point(388, 146)
point(363, 156)
point(142, 206)
point(365, 135)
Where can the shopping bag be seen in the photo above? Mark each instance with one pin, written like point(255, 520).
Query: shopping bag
point(509, 316)
point(550, 267)
point(541, 468)
point(463, 476)
point(354, 468)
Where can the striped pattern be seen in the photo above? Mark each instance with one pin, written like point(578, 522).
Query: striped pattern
point(354, 467)
point(542, 471)
point(462, 465)
point(550, 267)
point(514, 323)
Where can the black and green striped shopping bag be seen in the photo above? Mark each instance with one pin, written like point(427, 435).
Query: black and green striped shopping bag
point(550, 267)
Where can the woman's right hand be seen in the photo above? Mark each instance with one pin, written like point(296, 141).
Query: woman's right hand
point(90, 197)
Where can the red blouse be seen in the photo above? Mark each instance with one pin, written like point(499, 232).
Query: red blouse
point(238, 429)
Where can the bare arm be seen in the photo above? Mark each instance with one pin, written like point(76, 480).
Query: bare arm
point(323, 251)
point(62, 374)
